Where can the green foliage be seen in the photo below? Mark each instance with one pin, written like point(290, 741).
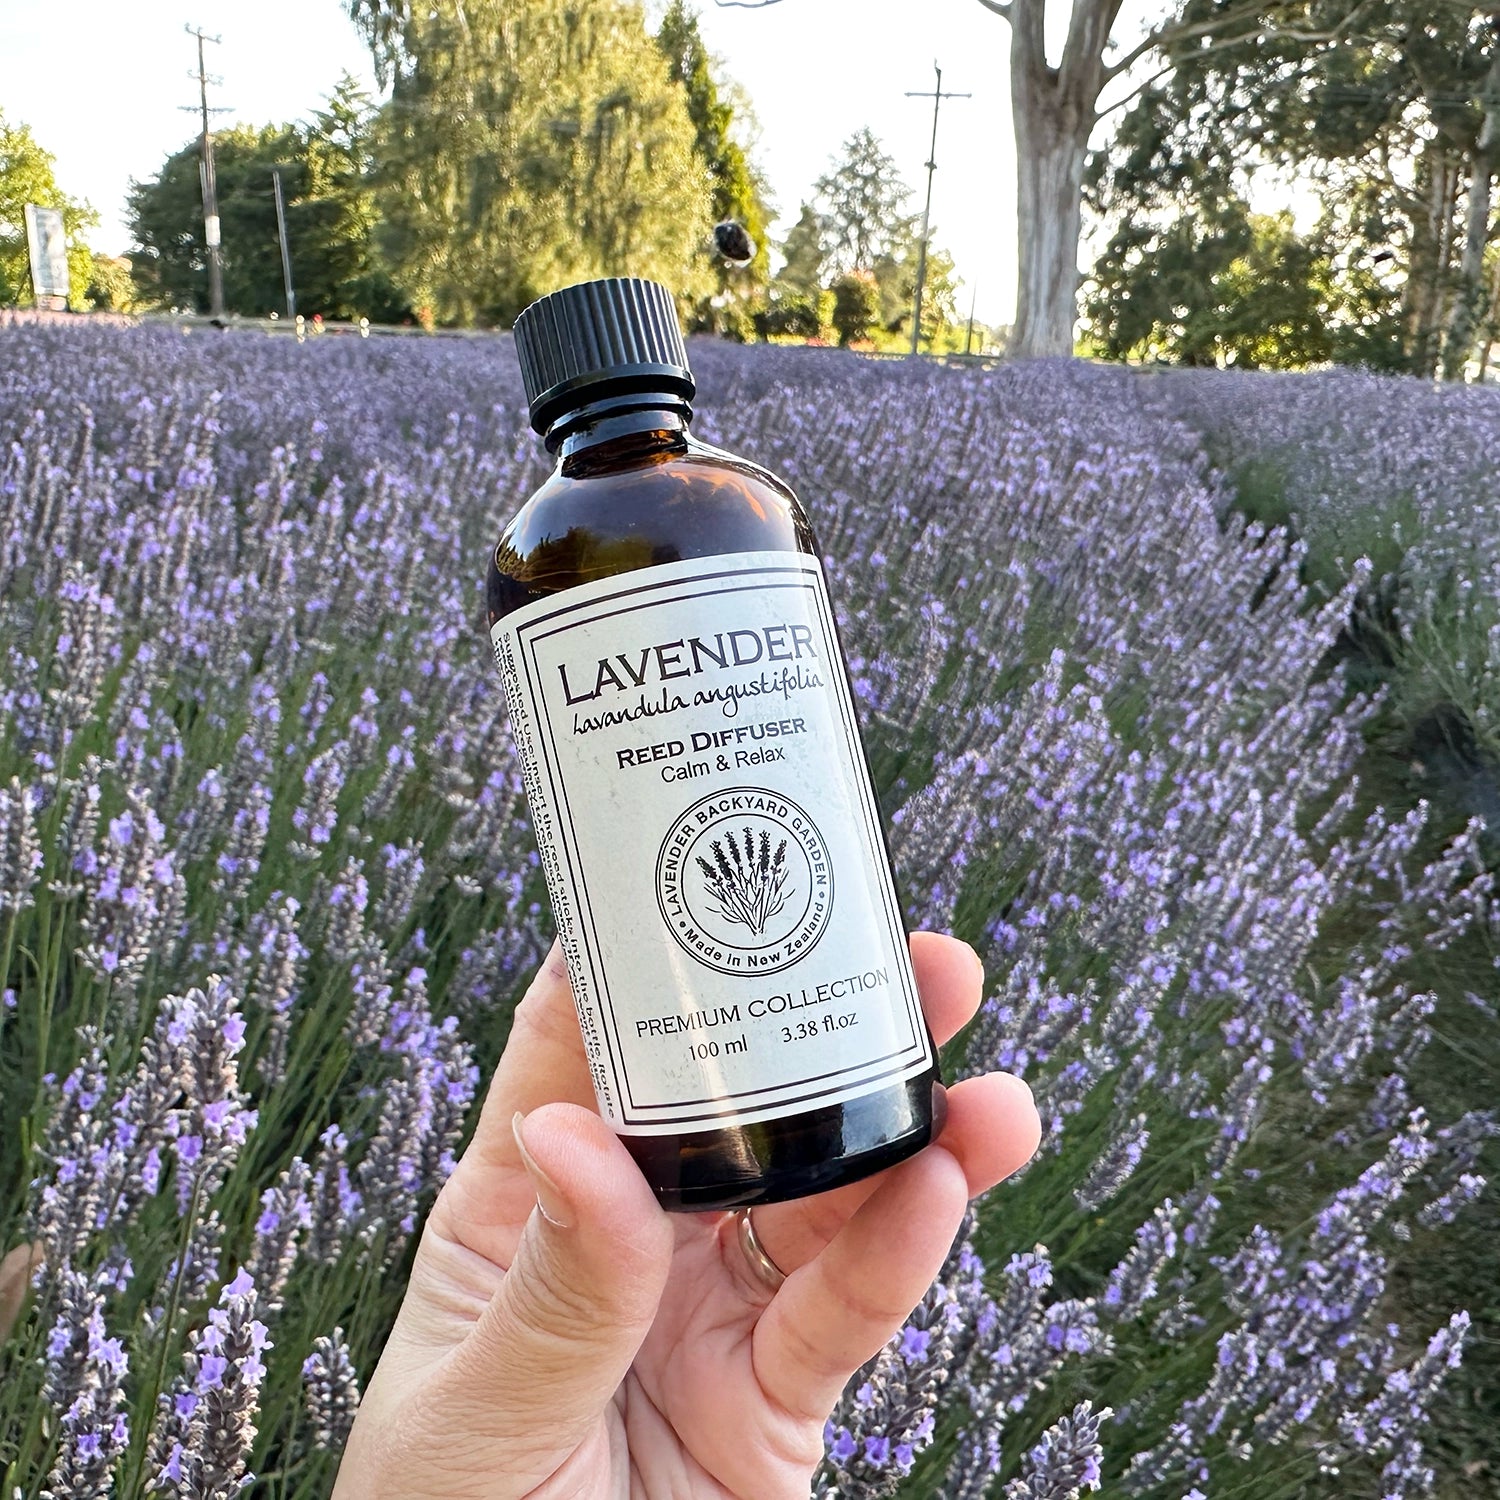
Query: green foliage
point(857, 225)
point(26, 176)
point(110, 288)
point(804, 255)
point(856, 306)
point(533, 144)
point(896, 278)
point(790, 317)
point(737, 190)
point(336, 265)
point(330, 212)
point(1374, 106)
point(864, 206)
point(1218, 286)
point(171, 268)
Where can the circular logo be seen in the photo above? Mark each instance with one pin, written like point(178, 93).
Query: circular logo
point(744, 882)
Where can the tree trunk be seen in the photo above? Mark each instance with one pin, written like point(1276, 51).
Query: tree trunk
point(1492, 323)
point(1430, 263)
point(1468, 303)
point(1054, 113)
point(1050, 155)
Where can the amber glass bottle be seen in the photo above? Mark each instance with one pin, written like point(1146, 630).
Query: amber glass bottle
point(712, 848)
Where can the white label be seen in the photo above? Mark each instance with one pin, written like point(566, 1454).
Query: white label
point(711, 843)
point(211, 230)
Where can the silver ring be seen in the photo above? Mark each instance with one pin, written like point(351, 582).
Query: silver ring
point(767, 1272)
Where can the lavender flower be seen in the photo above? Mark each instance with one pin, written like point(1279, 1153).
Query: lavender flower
point(20, 853)
point(214, 1410)
point(1067, 1461)
point(317, 817)
point(274, 980)
point(208, 1025)
point(1392, 1420)
point(95, 1428)
point(335, 1207)
point(1132, 1284)
point(285, 1214)
point(1115, 1166)
point(1111, 726)
point(330, 1390)
point(889, 1412)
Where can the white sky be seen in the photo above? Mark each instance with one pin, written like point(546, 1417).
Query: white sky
point(100, 85)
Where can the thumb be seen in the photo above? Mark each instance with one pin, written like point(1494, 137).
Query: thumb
point(557, 1338)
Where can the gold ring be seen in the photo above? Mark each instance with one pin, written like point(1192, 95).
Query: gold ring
point(767, 1272)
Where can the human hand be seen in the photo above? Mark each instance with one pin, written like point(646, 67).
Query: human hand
point(563, 1337)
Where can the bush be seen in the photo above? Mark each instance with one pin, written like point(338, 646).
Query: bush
point(856, 306)
point(788, 317)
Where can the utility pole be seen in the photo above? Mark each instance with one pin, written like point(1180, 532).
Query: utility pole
point(973, 303)
point(937, 96)
point(206, 179)
point(286, 254)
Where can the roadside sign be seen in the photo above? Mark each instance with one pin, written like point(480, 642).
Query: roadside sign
point(48, 243)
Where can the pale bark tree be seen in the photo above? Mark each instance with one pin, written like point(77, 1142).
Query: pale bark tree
point(1054, 109)
point(1469, 303)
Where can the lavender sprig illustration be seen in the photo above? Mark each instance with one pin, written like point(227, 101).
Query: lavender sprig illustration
point(750, 882)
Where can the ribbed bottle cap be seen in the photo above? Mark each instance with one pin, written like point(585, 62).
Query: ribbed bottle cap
point(596, 338)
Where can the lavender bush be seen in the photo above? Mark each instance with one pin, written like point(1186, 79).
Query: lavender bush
point(267, 893)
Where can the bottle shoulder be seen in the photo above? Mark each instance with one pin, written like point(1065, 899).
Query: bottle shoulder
point(592, 520)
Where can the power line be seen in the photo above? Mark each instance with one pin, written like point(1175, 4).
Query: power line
point(207, 179)
point(937, 96)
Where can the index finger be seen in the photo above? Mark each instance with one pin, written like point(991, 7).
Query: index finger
point(543, 1063)
point(487, 1200)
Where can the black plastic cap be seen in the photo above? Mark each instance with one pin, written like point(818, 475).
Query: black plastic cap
point(596, 339)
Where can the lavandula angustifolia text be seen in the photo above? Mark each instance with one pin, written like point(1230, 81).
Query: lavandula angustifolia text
point(268, 892)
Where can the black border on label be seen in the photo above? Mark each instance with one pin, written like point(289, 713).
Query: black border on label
point(804, 574)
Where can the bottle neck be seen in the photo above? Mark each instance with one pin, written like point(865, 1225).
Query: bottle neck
point(624, 423)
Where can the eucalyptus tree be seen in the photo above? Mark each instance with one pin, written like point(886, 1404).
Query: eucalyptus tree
point(1057, 106)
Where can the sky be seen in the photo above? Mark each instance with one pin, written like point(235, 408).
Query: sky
point(103, 95)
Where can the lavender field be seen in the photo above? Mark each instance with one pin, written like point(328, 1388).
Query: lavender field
point(1207, 791)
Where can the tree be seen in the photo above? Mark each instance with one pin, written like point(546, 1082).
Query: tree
point(330, 216)
point(171, 268)
point(857, 225)
point(1386, 117)
point(804, 255)
point(1055, 109)
point(110, 288)
point(1224, 286)
point(1469, 304)
point(334, 224)
point(856, 306)
point(26, 176)
point(863, 202)
point(896, 280)
point(737, 190)
point(531, 143)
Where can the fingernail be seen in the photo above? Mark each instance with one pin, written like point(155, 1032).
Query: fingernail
point(978, 962)
point(549, 1197)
